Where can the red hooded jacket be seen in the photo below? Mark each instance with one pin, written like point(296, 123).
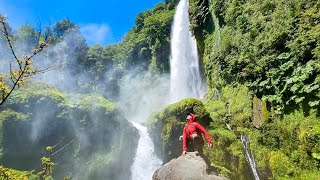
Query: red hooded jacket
point(191, 128)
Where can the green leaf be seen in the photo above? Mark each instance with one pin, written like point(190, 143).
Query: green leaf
point(314, 103)
point(285, 55)
point(49, 148)
point(295, 87)
point(316, 155)
point(286, 65)
point(289, 81)
point(309, 88)
point(263, 83)
point(300, 99)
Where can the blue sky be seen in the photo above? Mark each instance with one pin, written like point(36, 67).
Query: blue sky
point(100, 21)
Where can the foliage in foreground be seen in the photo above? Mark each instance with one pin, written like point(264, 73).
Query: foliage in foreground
point(11, 174)
point(23, 67)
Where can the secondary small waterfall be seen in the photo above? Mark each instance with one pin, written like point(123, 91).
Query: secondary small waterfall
point(185, 80)
point(249, 156)
point(138, 99)
point(145, 163)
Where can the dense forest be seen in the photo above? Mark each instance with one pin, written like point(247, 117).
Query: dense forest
point(268, 52)
point(260, 59)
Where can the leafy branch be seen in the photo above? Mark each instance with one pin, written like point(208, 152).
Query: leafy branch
point(47, 164)
point(25, 64)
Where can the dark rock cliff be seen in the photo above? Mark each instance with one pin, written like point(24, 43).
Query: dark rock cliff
point(102, 142)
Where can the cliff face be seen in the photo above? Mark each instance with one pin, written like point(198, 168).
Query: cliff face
point(260, 58)
point(226, 156)
point(261, 65)
point(189, 166)
point(95, 139)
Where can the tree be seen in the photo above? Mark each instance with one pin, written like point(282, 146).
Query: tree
point(26, 37)
point(75, 48)
point(23, 67)
point(60, 28)
point(140, 19)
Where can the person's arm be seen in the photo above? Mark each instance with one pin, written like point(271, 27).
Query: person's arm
point(184, 142)
point(206, 134)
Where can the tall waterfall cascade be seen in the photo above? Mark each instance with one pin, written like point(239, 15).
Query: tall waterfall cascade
point(185, 80)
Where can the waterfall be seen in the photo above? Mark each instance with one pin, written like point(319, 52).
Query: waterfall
point(138, 99)
point(145, 162)
point(249, 156)
point(185, 80)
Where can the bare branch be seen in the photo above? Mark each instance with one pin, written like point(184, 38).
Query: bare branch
point(12, 76)
point(6, 33)
point(62, 148)
point(39, 31)
point(58, 143)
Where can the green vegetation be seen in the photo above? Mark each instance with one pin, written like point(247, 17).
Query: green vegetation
point(146, 47)
point(34, 89)
point(271, 47)
point(262, 65)
point(6, 173)
point(23, 67)
point(44, 118)
point(166, 126)
point(262, 58)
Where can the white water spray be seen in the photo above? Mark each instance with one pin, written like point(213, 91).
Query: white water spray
point(139, 99)
point(184, 63)
point(146, 162)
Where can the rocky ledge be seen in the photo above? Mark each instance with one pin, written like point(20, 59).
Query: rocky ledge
point(187, 167)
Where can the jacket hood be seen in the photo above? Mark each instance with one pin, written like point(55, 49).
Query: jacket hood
point(193, 118)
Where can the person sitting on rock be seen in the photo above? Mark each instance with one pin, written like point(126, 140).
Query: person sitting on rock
point(192, 134)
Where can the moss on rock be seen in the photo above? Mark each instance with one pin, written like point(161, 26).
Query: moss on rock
point(43, 116)
point(166, 126)
point(260, 112)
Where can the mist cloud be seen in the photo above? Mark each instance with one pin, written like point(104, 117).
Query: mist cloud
point(140, 94)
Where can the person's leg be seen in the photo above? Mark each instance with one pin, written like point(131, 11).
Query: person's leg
point(196, 142)
point(200, 145)
point(190, 145)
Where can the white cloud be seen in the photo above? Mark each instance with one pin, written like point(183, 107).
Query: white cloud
point(96, 33)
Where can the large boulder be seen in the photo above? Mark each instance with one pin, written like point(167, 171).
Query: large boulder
point(189, 166)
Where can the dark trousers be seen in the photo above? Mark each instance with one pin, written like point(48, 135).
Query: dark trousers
point(195, 144)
